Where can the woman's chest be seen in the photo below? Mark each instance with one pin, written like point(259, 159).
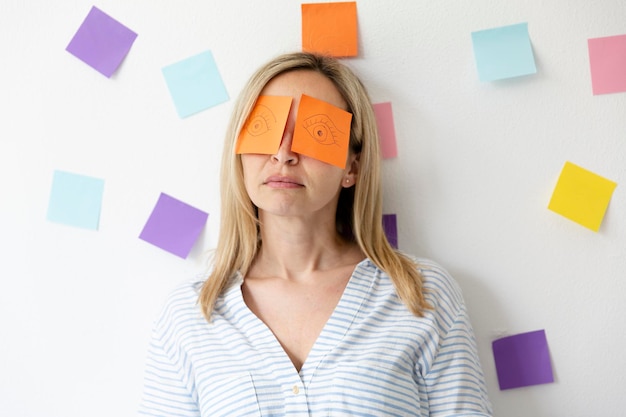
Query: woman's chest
point(358, 365)
point(349, 378)
point(295, 312)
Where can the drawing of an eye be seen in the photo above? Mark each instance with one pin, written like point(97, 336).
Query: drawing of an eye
point(261, 121)
point(321, 129)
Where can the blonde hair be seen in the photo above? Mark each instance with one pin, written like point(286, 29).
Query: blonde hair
point(359, 211)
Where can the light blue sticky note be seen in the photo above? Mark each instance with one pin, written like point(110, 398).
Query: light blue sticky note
point(75, 200)
point(195, 84)
point(503, 52)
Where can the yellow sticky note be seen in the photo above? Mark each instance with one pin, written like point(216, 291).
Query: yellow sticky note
point(264, 128)
point(582, 196)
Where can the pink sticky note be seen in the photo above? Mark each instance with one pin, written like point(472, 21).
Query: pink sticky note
point(386, 130)
point(607, 58)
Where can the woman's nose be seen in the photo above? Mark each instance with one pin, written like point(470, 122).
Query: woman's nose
point(285, 155)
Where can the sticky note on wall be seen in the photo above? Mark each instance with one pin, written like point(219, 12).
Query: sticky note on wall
point(174, 226)
point(390, 226)
point(195, 84)
point(386, 130)
point(75, 200)
point(101, 42)
point(607, 58)
point(522, 360)
point(503, 52)
point(330, 28)
point(582, 196)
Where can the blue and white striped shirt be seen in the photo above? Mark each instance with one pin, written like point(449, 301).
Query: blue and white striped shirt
point(372, 358)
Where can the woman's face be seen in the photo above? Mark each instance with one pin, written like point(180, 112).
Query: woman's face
point(290, 184)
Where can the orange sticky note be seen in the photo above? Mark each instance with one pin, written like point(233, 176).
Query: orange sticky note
point(322, 131)
point(330, 28)
point(582, 196)
point(265, 125)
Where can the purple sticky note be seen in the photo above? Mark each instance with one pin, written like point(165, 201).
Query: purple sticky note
point(386, 130)
point(522, 360)
point(101, 42)
point(174, 226)
point(390, 227)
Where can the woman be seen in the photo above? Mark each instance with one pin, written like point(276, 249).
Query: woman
point(308, 310)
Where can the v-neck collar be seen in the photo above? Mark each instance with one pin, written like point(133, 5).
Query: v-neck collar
point(334, 330)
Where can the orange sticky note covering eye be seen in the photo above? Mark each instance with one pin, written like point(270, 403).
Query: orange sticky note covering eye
point(582, 196)
point(265, 125)
point(322, 131)
point(330, 28)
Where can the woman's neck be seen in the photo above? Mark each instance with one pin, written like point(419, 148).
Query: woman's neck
point(293, 248)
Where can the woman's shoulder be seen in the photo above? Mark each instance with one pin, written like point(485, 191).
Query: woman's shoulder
point(181, 303)
point(438, 283)
point(185, 291)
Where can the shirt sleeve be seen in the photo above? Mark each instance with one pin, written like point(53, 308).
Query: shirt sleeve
point(167, 391)
point(455, 381)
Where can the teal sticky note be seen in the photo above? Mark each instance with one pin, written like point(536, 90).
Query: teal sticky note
point(503, 52)
point(195, 84)
point(75, 200)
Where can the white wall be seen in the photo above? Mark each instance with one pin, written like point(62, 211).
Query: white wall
point(477, 165)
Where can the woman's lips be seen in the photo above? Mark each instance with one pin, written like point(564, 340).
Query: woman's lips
point(279, 181)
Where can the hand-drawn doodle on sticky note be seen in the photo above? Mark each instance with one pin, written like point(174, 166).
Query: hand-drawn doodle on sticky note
point(523, 360)
point(75, 200)
point(386, 130)
point(330, 28)
point(101, 42)
point(390, 226)
point(265, 126)
point(322, 131)
point(582, 196)
point(503, 52)
point(174, 226)
point(195, 84)
point(607, 58)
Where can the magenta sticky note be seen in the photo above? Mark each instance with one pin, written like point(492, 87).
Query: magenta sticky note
point(522, 360)
point(174, 226)
point(390, 226)
point(607, 58)
point(386, 130)
point(101, 42)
